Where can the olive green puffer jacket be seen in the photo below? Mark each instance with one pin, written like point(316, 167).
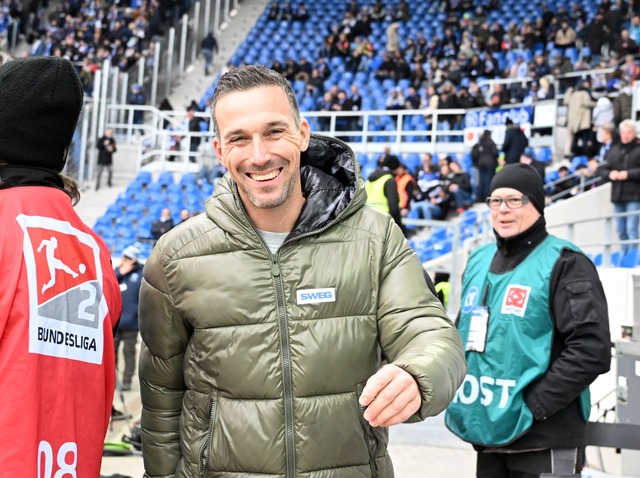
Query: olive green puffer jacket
point(245, 374)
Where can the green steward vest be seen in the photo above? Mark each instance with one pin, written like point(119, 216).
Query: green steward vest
point(375, 193)
point(489, 408)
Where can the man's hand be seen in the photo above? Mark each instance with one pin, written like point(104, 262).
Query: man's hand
point(391, 396)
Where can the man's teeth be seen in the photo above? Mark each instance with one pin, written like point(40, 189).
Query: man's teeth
point(265, 177)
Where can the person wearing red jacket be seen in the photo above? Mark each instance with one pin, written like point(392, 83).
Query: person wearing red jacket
point(59, 301)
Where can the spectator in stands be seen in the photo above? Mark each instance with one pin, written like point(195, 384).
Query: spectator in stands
point(597, 36)
point(475, 95)
point(432, 200)
point(540, 424)
point(129, 275)
point(386, 69)
point(412, 101)
point(355, 98)
point(402, 12)
point(137, 98)
point(564, 185)
point(403, 70)
point(459, 184)
point(602, 113)
point(304, 69)
point(545, 91)
point(361, 55)
point(193, 126)
point(342, 104)
point(622, 103)
point(428, 171)
point(290, 70)
point(106, 147)
point(541, 66)
point(393, 42)
point(325, 104)
point(418, 77)
point(614, 19)
point(163, 224)
point(286, 12)
point(580, 105)
point(387, 157)
point(499, 97)
point(528, 157)
point(274, 11)
point(624, 45)
point(634, 29)
point(628, 70)
point(606, 137)
point(484, 156)
point(561, 67)
point(531, 96)
point(301, 13)
point(382, 190)
point(448, 100)
point(209, 46)
point(565, 37)
point(622, 168)
point(315, 85)
point(395, 100)
point(515, 142)
point(454, 72)
point(184, 215)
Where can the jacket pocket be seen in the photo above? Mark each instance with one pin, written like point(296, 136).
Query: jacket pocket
point(370, 436)
point(579, 293)
point(205, 451)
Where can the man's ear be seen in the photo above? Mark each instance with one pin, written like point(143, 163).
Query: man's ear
point(305, 134)
point(217, 147)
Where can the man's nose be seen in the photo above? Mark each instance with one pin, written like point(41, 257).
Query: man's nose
point(259, 151)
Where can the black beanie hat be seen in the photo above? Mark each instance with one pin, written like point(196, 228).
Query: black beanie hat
point(390, 162)
point(40, 102)
point(525, 179)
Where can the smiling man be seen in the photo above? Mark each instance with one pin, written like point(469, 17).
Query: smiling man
point(266, 319)
point(535, 327)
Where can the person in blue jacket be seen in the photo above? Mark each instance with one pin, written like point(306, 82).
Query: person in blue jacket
point(535, 327)
point(129, 275)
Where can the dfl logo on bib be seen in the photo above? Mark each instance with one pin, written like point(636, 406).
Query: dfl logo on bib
point(66, 304)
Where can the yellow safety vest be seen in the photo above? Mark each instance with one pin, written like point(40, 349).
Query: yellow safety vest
point(375, 193)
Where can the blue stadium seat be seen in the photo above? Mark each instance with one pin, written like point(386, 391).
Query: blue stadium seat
point(630, 259)
point(616, 259)
point(597, 259)
point(166, 178)
point(577, 161)
point(544, 154)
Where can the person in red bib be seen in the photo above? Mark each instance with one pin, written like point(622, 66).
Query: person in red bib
point(60, 301)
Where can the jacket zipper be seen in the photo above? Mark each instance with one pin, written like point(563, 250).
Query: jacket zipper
point(282, 321)
point(206, 448)
point(286, 370)
point(372, 445)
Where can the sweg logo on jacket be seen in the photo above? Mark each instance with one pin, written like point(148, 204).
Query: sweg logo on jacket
point(316, 296)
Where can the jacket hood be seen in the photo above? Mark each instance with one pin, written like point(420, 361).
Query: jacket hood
point(331, 185)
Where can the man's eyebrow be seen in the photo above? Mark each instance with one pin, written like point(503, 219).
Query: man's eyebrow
point(271, 124)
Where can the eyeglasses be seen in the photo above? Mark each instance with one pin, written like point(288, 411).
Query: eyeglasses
point(512, 202)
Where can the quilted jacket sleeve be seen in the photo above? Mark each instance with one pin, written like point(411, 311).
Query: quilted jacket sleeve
point(165, 337)
point(415, 331)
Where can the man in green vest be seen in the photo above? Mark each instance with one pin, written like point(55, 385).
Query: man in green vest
point(535, 328)
point(382, 190)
